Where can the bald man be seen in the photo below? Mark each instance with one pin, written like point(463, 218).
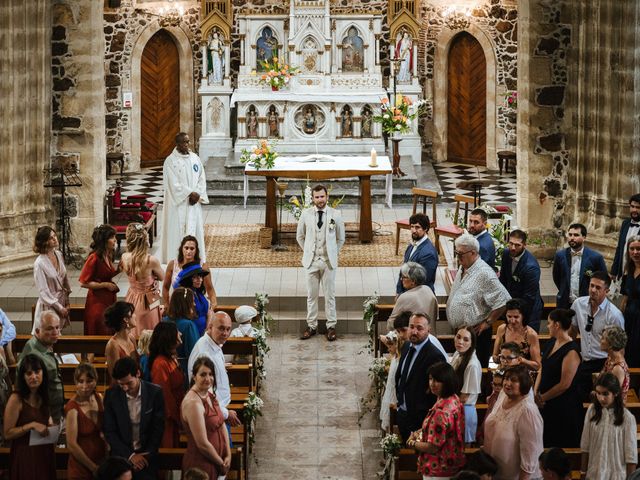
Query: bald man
point(210, 345)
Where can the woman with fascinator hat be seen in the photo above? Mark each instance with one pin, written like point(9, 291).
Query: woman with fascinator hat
point(192, 277)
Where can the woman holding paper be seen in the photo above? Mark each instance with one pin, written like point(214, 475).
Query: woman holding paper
point(26, 418)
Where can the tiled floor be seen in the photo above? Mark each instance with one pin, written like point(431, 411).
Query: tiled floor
point(502, 190)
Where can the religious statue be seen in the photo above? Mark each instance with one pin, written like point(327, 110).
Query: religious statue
point(404, 52)
point(309, 125)
point(347, 122)
point(252, 124)
point(267, 48)
point(367, 118)
point(215, 50)
point(352, 52)
point(272, 120)
point(214, 113)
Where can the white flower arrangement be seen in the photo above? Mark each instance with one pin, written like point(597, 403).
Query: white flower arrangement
point(251, 411)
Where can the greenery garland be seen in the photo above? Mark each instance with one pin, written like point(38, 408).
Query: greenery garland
point(262, 331)
point(378, 372)
point(252, 410)
point(369, 316)
point(391, 445)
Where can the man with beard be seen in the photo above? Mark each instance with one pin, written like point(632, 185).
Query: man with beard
point(570, 267)
point(321, 235)
point(412, 380)
point(421, 251)
point(477, 226)
point(630, 227)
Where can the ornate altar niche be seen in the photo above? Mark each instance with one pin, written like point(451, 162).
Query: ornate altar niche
point(328, 107)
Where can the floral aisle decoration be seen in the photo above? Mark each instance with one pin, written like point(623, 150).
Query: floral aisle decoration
point(263, 155)
point(251, 411)
point(296, 206)
point(391, 445)
point(397, 118)
point(277, 74)
point(378, 372)
point(262, 331)
point(369, 316)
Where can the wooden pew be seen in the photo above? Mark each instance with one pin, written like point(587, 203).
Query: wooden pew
point(168, 459)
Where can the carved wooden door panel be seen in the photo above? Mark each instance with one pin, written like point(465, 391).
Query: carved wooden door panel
point(160, 99)
point(467, 101)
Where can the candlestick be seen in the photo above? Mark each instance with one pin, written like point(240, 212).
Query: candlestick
point(374, 158)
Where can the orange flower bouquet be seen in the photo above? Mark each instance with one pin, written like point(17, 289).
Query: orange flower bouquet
point(263, 155)
point(277, 73)
point(397, 118)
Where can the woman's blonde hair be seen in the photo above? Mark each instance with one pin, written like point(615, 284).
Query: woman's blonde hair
point(138, 247)
point(143, 342)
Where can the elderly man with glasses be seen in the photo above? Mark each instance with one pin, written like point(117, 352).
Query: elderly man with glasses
point(477, 298)
point(594, 314)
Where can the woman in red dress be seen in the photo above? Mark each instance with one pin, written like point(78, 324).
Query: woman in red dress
point(207, 437)
point(84, 413)
point(121, 318)
point(27, 410)
point(165, 372)
point(97, 276)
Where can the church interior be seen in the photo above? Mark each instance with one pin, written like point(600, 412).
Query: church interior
point(529, 105)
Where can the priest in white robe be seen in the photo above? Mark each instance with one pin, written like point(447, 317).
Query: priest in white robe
point(185, 190)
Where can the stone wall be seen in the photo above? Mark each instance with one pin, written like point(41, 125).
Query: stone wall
point(25, 107)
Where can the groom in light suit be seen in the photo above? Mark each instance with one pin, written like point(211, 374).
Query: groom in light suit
point(320, 235)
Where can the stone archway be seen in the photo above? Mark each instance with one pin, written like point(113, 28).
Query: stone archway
point(187, 106)
point(440, 107)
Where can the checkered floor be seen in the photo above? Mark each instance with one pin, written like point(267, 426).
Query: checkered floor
point(449, 174)
point(148, 181)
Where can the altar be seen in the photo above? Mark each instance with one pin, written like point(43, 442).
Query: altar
point(324, 167)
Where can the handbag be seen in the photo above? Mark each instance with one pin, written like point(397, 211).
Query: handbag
point(152, 299)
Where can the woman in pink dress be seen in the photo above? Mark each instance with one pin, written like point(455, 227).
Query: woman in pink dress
point(144, 272)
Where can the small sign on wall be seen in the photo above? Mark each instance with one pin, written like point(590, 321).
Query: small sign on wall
point(127, 99)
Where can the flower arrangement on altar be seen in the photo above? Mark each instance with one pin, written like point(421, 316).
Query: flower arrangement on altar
point(511, 99)
point(397, 118)
point(296, 206)
point(263, 155)
point(277, 73)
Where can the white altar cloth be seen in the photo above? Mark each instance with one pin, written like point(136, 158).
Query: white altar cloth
point(334, 163)
point(322, 96)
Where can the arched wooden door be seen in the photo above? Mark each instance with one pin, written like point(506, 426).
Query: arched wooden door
point(467, 101)
point(160, 99)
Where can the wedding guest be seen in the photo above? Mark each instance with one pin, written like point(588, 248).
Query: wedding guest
point(555, 465)
point(497, 378)
point(121, 318)
point(166, 373)
point(509, 356)
point(477, 298)
point(188, 252)
point(115, 468)
point(570, 267)
point(630, 227)
point(394, 343)
point(7, 338)
point(27, 410)
point(556, 393)
point(195, 474)
point(143, 352)
point(469, 375)
point(421, 251)
point(514, 330)
point(192, 277)
point(416, 296)
point(513, 430)
point(482, 464)
point(41, 344)
point(50, 276)
point(477, 226)
point(144, 272)
point(244, 315)
point(207, 437)
point(614, 341)
point(609, 437)
point(84, 416)
point(182, 314)
point(97, 276)
point(440, 442)
point(5, 388)
point(134, 419)
point(631, 300)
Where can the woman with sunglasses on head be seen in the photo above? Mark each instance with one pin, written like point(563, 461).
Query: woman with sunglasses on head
point(556, 393)
point(515, 330)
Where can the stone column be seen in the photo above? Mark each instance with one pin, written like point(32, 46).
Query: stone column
point(25, 34)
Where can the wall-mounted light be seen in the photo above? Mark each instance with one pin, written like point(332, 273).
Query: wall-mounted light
point(457, 17)
point(168, 16)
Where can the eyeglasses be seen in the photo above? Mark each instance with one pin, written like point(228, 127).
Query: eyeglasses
point(507, 357)
point(589, 325)
point(460, 254)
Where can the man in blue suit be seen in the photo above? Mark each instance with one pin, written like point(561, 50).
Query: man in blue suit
point(420, 250)
point(572, 267)
point(477, 226)
point(630, 227)
point(520, 275)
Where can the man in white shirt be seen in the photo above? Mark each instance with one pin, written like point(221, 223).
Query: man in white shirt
point(210, 345)
point(594, 314)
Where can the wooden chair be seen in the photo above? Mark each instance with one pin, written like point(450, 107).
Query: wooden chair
point(423, 197)
point(453, 231)
point(120, 212)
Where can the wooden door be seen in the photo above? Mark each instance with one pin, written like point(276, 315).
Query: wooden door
point(160, 98)
point(467, 101)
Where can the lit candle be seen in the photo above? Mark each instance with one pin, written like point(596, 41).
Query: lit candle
point(374, 158)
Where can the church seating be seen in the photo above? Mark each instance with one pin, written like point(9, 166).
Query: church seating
point(120, 212)
point(423, 197)
point(453, 231)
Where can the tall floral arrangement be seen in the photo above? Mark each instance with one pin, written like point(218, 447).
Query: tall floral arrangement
point(277, 74)
point(397, 118)
point(263, 155)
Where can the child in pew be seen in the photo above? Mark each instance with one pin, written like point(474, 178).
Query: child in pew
point(469, 373)
point(195, 474)
point(244, 315)
point(609, 437)
point(555, 465)
point(143, 352)
point(481, 463)
point(496, 388)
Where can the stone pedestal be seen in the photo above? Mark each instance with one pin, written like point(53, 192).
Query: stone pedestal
point(215, 140)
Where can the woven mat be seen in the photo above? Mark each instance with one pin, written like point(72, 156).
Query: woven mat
point(239, 246)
